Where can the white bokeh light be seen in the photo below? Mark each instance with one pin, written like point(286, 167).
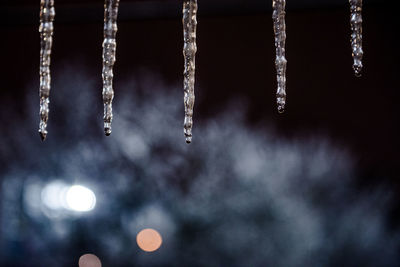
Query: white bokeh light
point(80, 198)
point(53, 195)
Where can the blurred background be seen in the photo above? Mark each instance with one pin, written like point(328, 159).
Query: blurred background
point(315, 186)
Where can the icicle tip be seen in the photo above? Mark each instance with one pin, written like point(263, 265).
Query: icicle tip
point(281, 108)
point(357, 71)
point(43, 135)
point(107, 129)
point(281, 102)
point(187, 129)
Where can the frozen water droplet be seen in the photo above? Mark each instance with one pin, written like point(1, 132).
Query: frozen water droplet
point(278, 17)
point(43, 135)
point(356, 35)
point(46, 29)
point(109, 49)
point(281, 108)
point(107, 129)
point(189, 52)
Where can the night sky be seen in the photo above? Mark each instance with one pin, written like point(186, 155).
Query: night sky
point(315, 186)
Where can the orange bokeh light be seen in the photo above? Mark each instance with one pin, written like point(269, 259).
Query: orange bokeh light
point(149, 240)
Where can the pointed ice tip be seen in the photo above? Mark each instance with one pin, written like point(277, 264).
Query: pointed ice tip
point(107, 131)
point(107, 128)
point(281, 109)
point(188, 139)
point(43, 135)
point(357, 70)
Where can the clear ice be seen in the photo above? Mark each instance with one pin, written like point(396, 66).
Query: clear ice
point(109, 48)
point(356, 35)
point(278, 17)
point(189, 52)
point(47, 14)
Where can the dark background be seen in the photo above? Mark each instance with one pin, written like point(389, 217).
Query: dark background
point(235, 61)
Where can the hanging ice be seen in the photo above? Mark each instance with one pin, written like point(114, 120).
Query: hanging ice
point(278, 17)
point(189, 53)
point(47, 14)
point(109, 48)
point(356, 35)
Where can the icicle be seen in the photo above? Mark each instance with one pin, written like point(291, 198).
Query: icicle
point(109, 48)
point(189, 53)
point(47, 14)
point(356, 35)
point(278, 17)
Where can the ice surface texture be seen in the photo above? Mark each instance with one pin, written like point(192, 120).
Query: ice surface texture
point(47, 14)
point(278, 17)
point(109, 49)
point(189, 52)
point(356, 35)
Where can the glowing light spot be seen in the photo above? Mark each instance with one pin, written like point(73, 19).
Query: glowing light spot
point(53, 195)
point(80, 198)
point(149, 240)
point(89, 260)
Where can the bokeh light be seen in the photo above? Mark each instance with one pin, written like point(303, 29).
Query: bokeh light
point(149, 240)
point(80, 198)
point(89, 260)
point(53, 195)
point(59, 196)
